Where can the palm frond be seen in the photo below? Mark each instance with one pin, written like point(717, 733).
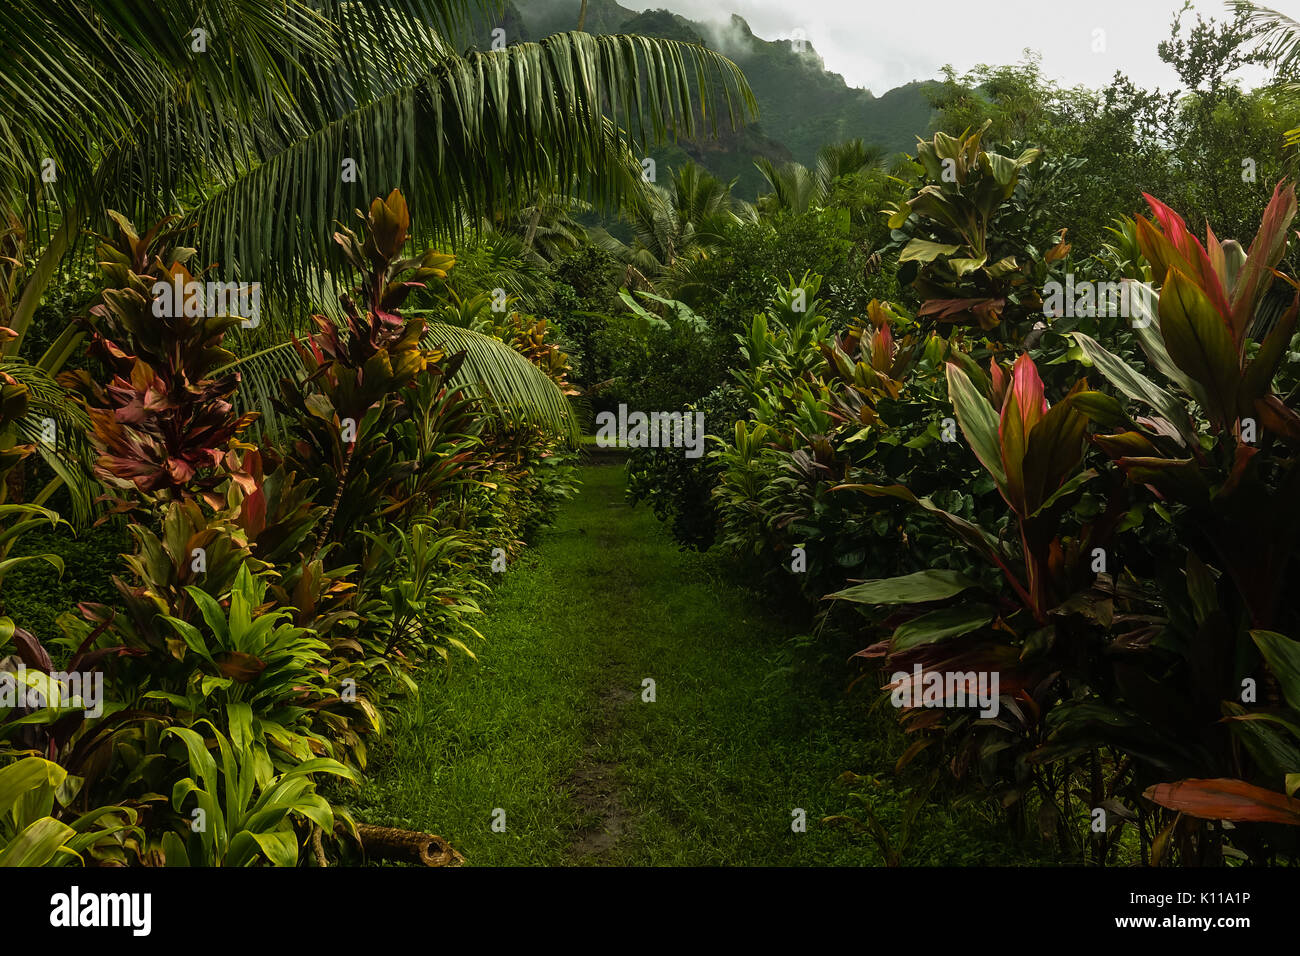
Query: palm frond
point(487, 260)
point(795, 187)
point(507, 383)
point(474, 134)
point(1279, 36)
point(57, 425)
point(835, 160)
point(88, 75)
point(260, 374)
point(259, 125)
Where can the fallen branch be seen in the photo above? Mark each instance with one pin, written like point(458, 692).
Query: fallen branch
point(406, 846)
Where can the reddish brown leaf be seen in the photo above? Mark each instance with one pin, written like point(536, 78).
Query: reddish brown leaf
point(1224, 798)
point(239, 666)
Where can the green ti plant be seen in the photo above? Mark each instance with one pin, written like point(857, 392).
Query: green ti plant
point(39, 828)
point(959, 236)
point(230, 815)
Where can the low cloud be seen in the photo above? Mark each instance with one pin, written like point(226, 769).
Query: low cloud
point(880, 46)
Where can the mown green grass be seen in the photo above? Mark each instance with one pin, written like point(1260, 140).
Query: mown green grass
point(551, 727)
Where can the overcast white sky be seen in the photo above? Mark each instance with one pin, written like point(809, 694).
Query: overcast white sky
point(880, 44)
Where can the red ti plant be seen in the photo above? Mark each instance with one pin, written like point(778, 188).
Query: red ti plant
point(363, 373)
point(869, 363)
point(945, 622)
point(164, 422)
point(1227, 472)
point(1033, 452)
point(1229, 478)
point(376, 351)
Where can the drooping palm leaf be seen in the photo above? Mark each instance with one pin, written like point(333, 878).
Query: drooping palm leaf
point(508, 384)
point(1279, 37)
point(506, 381)
point(472, 135)
point(141, 122)
point(1280, 40)
point(53, 413)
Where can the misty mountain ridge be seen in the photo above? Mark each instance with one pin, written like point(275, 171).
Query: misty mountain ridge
point(802, 106)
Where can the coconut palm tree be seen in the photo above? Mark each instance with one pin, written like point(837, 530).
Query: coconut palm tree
point(797, 189)
point(271, 120)
point(675, 225)
point(1280, 39)
point(545, 226)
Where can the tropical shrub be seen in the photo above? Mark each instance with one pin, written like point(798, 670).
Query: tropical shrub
point(825, 408)
point(1216, 452)
point(245, 820)
point(262, 613)
point(37, 828)
point(969, 240)
point(1127, 686)
point(164, 421)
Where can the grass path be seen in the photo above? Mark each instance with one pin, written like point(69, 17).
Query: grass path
point(551, 726)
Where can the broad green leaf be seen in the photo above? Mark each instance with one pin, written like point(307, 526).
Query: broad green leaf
point(1056, 448)
point(173, 848)
point(978, 421)
point(325, 765)
point(1138, 387)
point(244, 850)
point(963, 266)
point(23, 776)
point(37, 845)
point(1146, 324)
point(1200, 343)
point(190, 635)
point(940, 625)
point(201, 761)
point(934, 585)
point(1271, 749)
point(279, 846)
point(1100, 407)
point(1178, 479)
point(1283, 657)
point(923, 250)
point(1014, 447)
point(1070, 487)
point(1258, 377)
point(83, 822)
point(52, 559)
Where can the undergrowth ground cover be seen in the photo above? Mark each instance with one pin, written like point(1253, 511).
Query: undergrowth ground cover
point(550, 725)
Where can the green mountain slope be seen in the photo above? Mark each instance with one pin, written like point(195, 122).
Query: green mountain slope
point(801, 105)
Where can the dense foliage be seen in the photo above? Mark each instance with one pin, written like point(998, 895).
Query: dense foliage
point(1055, 448)
point(280, 594)
point(1015, 414)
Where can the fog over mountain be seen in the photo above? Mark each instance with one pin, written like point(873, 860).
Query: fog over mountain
point(802, 105)
point(879, 45)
